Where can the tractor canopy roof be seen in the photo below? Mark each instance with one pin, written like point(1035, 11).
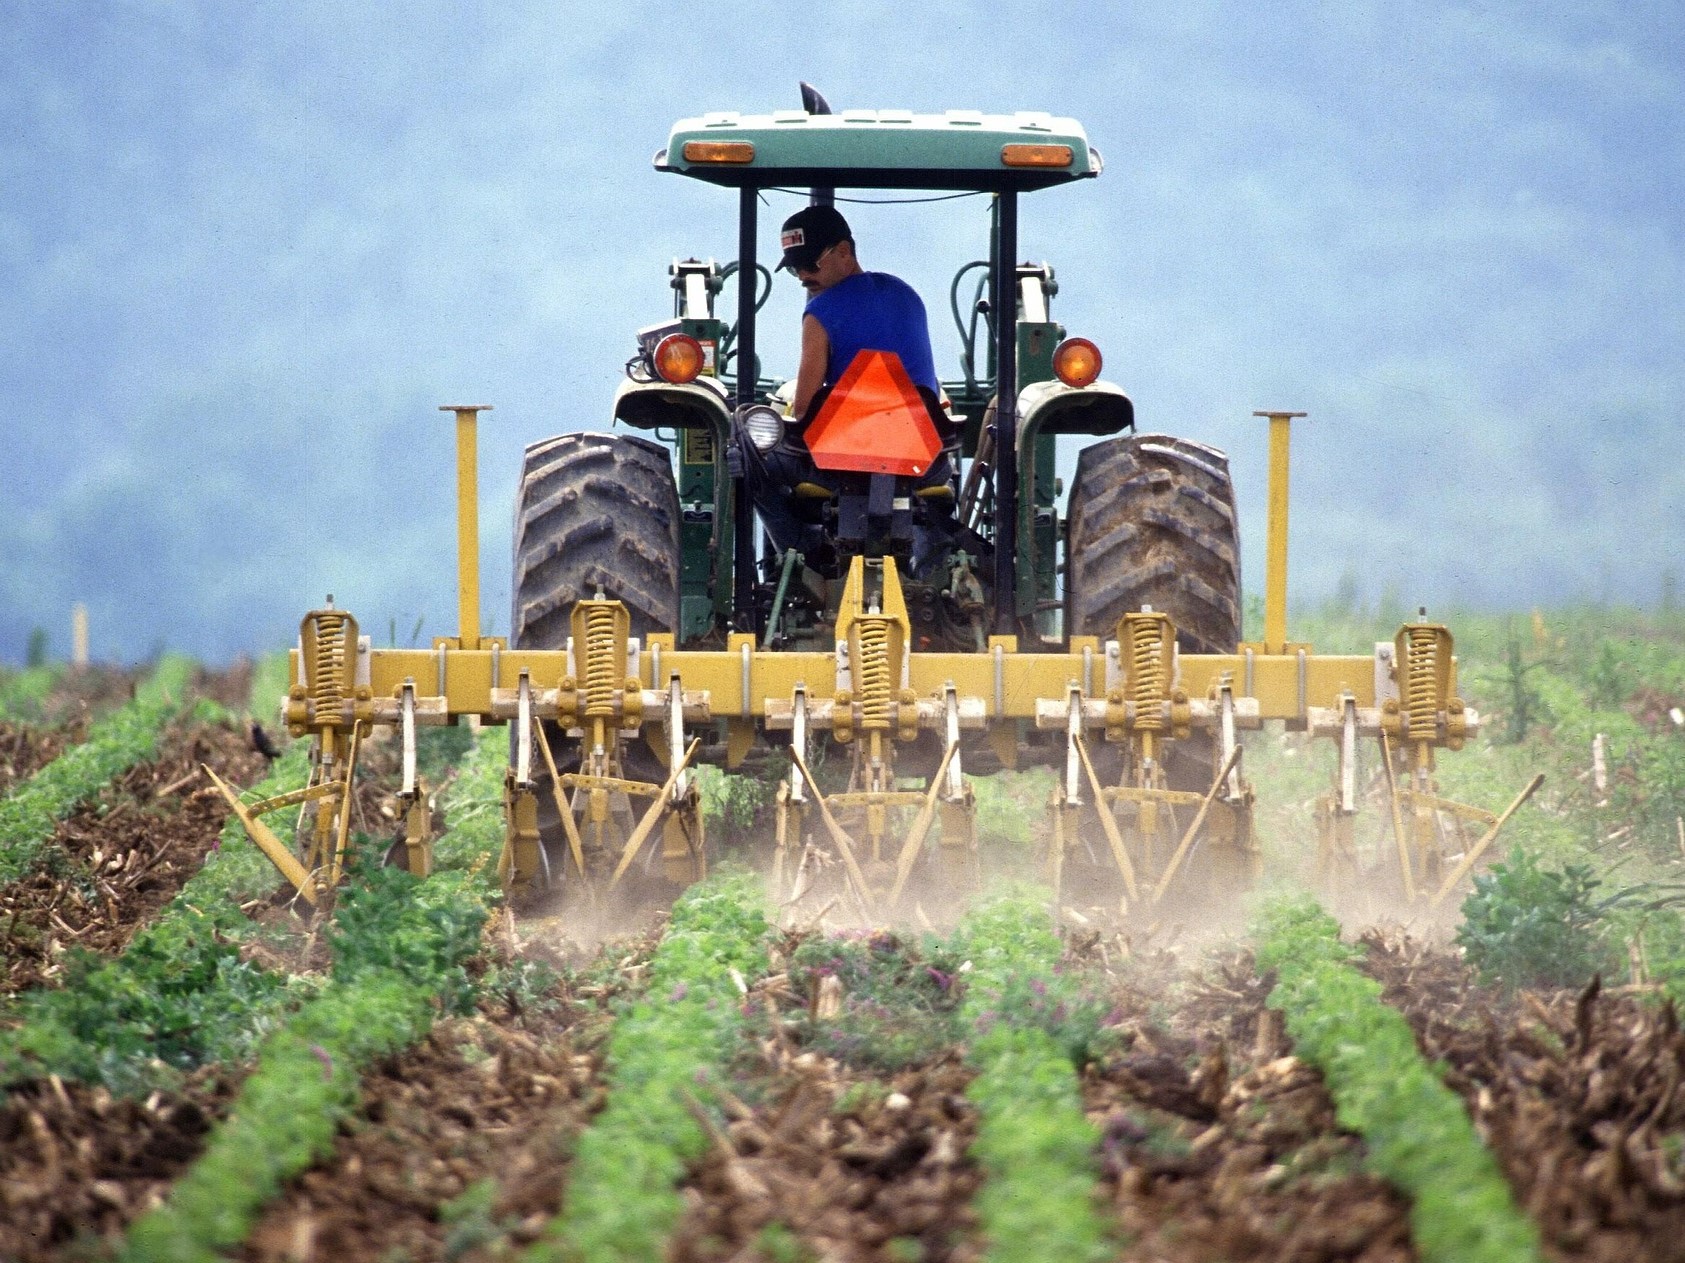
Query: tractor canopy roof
point(958, 149)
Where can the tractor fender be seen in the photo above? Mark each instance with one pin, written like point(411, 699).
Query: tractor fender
point(656, 405)
point(1051, 407)
point(701, 405)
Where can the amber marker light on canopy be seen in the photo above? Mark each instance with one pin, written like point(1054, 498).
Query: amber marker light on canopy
point(1036, 155)
point(719, 151)
point(678, 358)
point(1077, 362)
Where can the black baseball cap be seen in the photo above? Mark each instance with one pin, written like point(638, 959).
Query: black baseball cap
point(809, 233)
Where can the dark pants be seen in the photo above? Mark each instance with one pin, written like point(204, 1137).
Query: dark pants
point(797, 522)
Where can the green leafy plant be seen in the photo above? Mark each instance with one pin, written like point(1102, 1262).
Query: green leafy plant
point(1529, 926)
point(1417, 1133)
point(622, 1199)
point(271, 675)
point(1524, 706)
point(178, 998)
point(899, 999)
point(23, 692)
point(1033, 1142)
point(471, 1223)
point(735, 804)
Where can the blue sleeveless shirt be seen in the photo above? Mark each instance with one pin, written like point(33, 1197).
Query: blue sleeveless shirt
point(874, 311)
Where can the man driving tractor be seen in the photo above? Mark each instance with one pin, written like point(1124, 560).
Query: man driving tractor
point(849, 311)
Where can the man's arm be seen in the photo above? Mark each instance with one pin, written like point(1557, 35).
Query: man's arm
point(816, 354)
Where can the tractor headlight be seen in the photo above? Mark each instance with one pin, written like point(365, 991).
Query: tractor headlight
point(764, 426)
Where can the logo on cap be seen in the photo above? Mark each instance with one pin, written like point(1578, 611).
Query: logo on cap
point(792, 238)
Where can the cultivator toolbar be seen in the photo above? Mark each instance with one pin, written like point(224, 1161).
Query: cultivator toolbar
point(1108, 713)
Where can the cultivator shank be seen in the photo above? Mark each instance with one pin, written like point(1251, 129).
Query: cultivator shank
point(332, 700)
point(1415, 712)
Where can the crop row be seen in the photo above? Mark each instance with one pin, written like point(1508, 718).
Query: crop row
point(181, 995)
point(1416, 1130)
point(187, 991)
point(399, 949)
point(30, 813)
point(622, 1200)
point(1036, 1148)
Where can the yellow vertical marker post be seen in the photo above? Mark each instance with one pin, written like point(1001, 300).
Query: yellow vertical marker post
point(78, 635)
point(467, 521)
point(1275, 561)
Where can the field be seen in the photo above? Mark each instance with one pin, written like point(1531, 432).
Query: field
point(193, 1068)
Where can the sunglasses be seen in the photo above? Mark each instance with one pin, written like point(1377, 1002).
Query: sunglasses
point(799, 268)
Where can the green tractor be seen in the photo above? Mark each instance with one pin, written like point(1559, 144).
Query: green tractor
point(945, 614)
point(661, 525)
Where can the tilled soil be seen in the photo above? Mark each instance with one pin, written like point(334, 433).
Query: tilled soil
point(26, 748)
point(460, 1142)
point(230, 687)
point(77, 1165)
point(121, 857)
point(1217, 1144)
point(1577, 1094)
point(80, 697)
point(460, 1147)
point(85, 693)
point(858, 1170)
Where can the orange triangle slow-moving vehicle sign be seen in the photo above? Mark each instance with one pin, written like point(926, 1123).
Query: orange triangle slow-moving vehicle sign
point(874, 421)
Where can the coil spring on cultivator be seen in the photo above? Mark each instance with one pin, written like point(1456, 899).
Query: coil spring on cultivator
point(330, 652)
point(875, 688)
point(1149, 670)
point(601, 675)
point(1421, 680)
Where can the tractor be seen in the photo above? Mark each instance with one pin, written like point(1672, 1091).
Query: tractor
point(660, 524)
point(950, 615)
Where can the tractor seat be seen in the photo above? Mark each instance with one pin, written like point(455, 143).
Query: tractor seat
point(813, 491)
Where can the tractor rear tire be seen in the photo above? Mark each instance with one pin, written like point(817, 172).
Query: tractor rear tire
point(1152, 522)
point(595, 513)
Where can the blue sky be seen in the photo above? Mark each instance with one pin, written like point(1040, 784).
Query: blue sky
point(246, 250)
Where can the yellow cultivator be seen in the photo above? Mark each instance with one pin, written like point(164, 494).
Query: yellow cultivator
point(945, 615)
point(607, 700)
